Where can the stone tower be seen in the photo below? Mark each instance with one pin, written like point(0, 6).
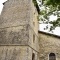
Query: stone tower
point(19, 31)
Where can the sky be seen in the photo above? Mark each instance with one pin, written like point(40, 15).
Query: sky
point(41, 26)
point(57, 29)
point(1, 5)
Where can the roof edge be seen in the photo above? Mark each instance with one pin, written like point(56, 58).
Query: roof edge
point(49, 34)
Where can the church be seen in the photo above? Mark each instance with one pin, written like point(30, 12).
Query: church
point(19, 35)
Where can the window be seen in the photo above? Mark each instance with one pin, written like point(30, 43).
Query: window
point(33, 37)
point(33, 56)
point(52, 56)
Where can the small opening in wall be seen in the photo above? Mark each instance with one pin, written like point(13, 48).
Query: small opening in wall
point(52, 56)
point(33, 38)
point(33, 56)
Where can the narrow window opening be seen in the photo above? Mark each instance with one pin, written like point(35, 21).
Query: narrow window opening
point(33, 56)
point(33, 38)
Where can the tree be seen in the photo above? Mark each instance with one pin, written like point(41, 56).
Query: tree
point(51, 7)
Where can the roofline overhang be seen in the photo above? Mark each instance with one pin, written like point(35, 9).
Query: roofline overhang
point(45, 33)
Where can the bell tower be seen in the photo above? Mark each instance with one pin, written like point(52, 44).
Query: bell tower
point(19, 31)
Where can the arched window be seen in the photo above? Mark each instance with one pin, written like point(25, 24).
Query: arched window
point(33, 56)
point(52, 56)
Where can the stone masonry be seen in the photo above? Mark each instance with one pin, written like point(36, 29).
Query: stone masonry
point(16, 31)
point(19, 37)
point(49, 44)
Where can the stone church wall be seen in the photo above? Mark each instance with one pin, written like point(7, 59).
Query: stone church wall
point(49, 44)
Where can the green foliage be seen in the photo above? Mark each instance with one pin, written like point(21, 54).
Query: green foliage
point(42, 12)
point(53, 9)
point(54, 3)
point(55, 24)
point(35, 2)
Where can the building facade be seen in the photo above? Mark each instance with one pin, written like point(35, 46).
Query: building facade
point(18, 31)
point(49, 46)
point(19, 36)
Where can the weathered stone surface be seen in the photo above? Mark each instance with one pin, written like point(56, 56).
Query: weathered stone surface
point(15, 12)
point(17, 29)
point(49, 44)
point(13, 53)
point(17, 53)
point(14, 35)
